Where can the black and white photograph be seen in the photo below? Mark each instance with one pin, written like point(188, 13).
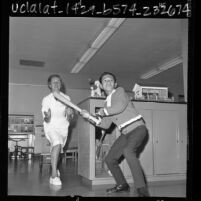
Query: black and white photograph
point(97, 106)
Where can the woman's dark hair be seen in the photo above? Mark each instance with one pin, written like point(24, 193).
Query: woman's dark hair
point(107, 73)
point(58, 76)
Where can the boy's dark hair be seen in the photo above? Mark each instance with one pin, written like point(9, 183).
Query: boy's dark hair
point(58, 76)
point(107, 73)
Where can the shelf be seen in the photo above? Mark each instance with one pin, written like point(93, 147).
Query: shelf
point(22, 124)
point(21, 127)
point(21, 133)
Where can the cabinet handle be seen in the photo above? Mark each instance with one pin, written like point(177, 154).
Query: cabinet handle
point(177, 135)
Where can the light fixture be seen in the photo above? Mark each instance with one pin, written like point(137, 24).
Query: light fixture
point(115, 22)
point(106, 33)
point(78, 66)
point(171, 63)
point(162, 68)
point(102, 37)
point(150, 74)
point(84, 59)
point(87, 55)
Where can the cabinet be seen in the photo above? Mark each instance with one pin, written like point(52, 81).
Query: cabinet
point(163, 156)
point(170, 141)
point(20, 131)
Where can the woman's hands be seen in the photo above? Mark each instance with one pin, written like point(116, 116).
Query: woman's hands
point(69, 111)
point(47, 117)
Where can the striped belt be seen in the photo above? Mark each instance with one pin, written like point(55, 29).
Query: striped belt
point(130, 122)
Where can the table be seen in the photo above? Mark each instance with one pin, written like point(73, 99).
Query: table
point(17, 138)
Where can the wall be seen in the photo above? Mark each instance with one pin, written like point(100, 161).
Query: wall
point(26, 99)
point(171, 78)
point(39, 77)
point(28, 87)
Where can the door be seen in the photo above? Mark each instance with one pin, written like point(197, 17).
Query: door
point(165, 139)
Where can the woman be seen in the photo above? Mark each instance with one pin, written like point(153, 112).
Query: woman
point(56, 122)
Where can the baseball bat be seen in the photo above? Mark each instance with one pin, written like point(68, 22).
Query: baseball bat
point(72, 105)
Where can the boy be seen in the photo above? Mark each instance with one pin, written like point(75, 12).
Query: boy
point(119, 109)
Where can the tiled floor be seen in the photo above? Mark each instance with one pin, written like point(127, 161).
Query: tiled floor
point(24, 178)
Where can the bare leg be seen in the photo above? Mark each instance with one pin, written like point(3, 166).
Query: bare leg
point(54, 159)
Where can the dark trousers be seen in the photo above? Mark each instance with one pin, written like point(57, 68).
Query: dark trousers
point(127, 145)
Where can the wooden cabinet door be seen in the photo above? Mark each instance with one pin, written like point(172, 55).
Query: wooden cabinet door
point(165, 134)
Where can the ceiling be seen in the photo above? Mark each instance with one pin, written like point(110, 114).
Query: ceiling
point(138, 46)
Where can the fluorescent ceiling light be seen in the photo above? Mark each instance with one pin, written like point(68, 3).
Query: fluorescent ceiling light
point(106, 33)
point(84, 59)
point(162, 68)
point(116, 22)
point(150, 74)
point(87, 55)
point(113, 24)
point(102, 37)
point(171, 63)
point(78, 66)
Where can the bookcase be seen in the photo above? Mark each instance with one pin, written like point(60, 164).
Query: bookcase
point(21, 134)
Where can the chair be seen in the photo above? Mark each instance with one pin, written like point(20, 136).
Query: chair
point(71, 152)
point(27, 152)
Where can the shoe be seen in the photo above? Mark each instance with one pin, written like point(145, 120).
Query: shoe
point(58, 173)
point(143, 192)
point(119, 188)
point(55, 181)
point(55, 188)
